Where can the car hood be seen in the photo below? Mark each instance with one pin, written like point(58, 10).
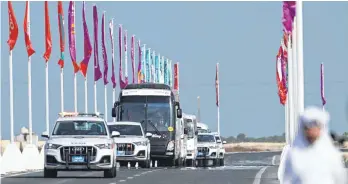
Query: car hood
point(205, 144)
point(129, 139)
point(74, 141)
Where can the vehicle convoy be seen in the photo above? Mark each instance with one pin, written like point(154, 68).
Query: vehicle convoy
point(192, 132)
point(207, 149)
point(221, 151)
point(155, 107)
point(132, 144)
point(80, 142)
point(202, 128)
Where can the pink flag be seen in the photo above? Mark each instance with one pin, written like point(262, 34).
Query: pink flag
point(123, 83)
point(132, 57)
point(113, 78)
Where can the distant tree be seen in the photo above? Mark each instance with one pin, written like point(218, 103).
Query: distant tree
point(241, 137)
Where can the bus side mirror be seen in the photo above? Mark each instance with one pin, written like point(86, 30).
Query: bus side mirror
point(179, 113)
point(113, 112)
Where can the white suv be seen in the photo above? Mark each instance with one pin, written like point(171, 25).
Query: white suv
point(80, 142)
point(133, 145)
point(207, 148)
point(221, 151)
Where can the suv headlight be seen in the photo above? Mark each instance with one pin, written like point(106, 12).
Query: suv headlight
point(104, 146)
point(212, 147)
point(170, 146)
point(141, 143)
point(52, 146)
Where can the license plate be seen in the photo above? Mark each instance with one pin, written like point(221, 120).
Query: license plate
point(120, 153)
point(77, 159)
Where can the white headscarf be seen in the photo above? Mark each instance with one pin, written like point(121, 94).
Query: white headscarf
point(320, 162)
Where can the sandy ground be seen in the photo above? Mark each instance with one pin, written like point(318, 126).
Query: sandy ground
point(253, 146)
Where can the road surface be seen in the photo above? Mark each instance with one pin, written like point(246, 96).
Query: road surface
point(241, 168)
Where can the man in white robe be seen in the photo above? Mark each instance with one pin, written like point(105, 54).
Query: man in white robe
point(313, 158)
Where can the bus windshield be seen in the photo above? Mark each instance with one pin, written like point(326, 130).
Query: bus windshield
point(159, 111)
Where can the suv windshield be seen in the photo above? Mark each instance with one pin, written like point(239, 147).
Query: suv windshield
point(206, 138)
point(127, 129)
point(79, 128)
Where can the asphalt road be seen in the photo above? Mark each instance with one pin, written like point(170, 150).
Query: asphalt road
point(241, 168)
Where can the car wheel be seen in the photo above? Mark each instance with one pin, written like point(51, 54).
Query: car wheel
point(50, 173)
point(222, 162)
point(110, 173)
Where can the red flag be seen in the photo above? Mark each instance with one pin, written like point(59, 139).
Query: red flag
point(28, 45)
point(281, 88)
point(217, 87)
point(48, 38)
point(176, 76)
point(61, 33)
point(13, 26)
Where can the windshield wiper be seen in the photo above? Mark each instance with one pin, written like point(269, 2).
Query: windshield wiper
point(154, 127)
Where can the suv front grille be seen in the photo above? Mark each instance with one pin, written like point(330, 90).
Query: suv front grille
point(203, 150)
point(66, 152)
point(127, 148)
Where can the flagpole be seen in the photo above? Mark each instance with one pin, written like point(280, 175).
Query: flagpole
point(218, 91)
point(95, 96)
point(299, 52)
point(198, 109)
point(11, 98)
point(113, 99)
point(29, 86)
point(62, 90)
point(47, 102)
point(105, 102)
point(75, 76)
point(323, 84)
point(295, 76)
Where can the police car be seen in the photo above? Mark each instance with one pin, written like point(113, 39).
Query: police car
point(220, 143)
point(208, 149)
point(132, 144)
point(80, 142)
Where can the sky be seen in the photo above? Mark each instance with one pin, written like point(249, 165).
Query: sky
point(243, 37)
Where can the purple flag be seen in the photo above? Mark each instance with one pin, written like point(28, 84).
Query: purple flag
point(71, 32)
point(289, 12)
point(322, 84)
point(123, 83)
point(140, 76)
point(111, 28)
point(87, 44)
point(97, 72)
point(105, 57)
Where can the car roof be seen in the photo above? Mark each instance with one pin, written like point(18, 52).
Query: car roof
point(123, 123)
point(206, 134)
point(80, 118)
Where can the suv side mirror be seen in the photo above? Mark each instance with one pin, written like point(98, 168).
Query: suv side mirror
point(179, 113)
point(224, 142)
point(148, 135)
point(218, 141)
point(115, 134)
point(45, 134)
point(185, 131)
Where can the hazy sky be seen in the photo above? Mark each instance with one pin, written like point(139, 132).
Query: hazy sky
point(243, 36)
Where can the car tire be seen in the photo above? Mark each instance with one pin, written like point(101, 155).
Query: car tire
point(146, 164)
point(110, 173)
point(222, 162)
point(50, 173)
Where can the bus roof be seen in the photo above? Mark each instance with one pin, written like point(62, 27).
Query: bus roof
point(148, 86)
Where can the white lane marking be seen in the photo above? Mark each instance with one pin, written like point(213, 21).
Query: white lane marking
point(129, 177)
point(273, 160)
point(19, 174)
point(258, 176)
point(121, 180)
point(137, 175)
point(112, 183)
